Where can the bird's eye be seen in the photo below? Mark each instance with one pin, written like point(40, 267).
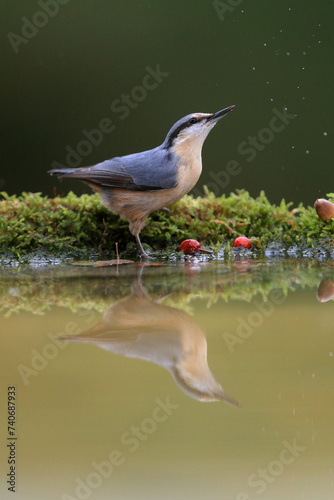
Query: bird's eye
point(192, 121)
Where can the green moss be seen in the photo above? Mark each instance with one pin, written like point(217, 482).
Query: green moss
point(80, 224)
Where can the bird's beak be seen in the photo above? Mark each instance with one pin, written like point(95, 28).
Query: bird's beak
point(221, 113)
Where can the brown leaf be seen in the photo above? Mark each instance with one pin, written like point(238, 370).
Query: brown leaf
point(113, 262)
point(102, 263)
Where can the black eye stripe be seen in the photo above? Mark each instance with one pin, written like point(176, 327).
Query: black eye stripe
point(188, 123)
point(177, 132)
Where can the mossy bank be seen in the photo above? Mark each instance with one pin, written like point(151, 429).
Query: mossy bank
point(58, 225)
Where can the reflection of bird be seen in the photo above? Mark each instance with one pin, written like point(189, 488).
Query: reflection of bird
point(133, 186)
point(136, 327)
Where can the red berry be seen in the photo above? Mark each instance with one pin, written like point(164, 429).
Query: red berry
point(242, 241)
point(189, 246)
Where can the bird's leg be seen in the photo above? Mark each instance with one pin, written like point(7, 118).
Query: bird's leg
point(143, 254)
point(166, 209)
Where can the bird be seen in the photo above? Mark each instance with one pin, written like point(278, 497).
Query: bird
point(135, 185)
point(138, 327)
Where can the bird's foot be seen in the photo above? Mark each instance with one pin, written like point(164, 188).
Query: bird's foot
point(144, 256)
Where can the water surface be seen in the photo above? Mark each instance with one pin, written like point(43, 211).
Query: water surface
point(182, 381)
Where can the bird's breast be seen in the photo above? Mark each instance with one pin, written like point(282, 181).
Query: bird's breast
point(189, 166)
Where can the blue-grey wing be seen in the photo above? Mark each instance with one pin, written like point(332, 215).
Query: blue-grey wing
point(148, 170)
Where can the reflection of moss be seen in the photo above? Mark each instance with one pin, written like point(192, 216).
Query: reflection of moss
point(74, 223)
point(90, 289)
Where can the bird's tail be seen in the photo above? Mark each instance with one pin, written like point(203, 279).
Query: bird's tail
point(61, 172)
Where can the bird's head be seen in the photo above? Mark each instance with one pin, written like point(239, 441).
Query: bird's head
point(193, 128)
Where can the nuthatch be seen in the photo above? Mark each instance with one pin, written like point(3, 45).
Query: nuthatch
point(135, 185)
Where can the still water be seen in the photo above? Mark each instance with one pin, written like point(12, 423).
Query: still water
point(192, 380)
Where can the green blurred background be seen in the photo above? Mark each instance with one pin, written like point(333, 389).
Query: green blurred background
point(260, 56)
